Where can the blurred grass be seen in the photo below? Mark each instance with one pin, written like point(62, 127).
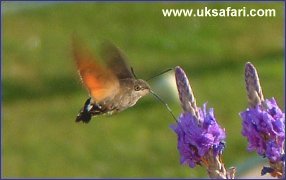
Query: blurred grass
point(42, 93)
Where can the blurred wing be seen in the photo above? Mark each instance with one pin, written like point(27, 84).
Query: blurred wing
point(116, 61)
point(99, 80)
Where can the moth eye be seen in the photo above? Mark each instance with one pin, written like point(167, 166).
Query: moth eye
point(137, 88)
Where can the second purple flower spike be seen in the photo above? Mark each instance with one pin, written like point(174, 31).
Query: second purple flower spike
point(263, 124)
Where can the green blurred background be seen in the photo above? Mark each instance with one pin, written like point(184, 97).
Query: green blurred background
point(42, 93)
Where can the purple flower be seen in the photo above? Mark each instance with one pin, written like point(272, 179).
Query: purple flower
point(198, 135)
point(200, 138)
point(264, 127)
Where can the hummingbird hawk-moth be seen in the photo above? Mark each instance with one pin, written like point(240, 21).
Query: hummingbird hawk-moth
point(112, 86)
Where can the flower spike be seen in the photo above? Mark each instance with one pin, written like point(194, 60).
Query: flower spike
point(263, 124)
point(186, 95)
point(200, 138)
point(253, 87)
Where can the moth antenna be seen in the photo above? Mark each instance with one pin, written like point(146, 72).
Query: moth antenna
point(132, 71)
point(163, 102)
point(163, 72)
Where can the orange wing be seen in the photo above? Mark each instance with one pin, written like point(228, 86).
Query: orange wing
point(100, 81)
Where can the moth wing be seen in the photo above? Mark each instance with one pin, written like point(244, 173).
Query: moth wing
point(116, 61)
point(100, 81)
